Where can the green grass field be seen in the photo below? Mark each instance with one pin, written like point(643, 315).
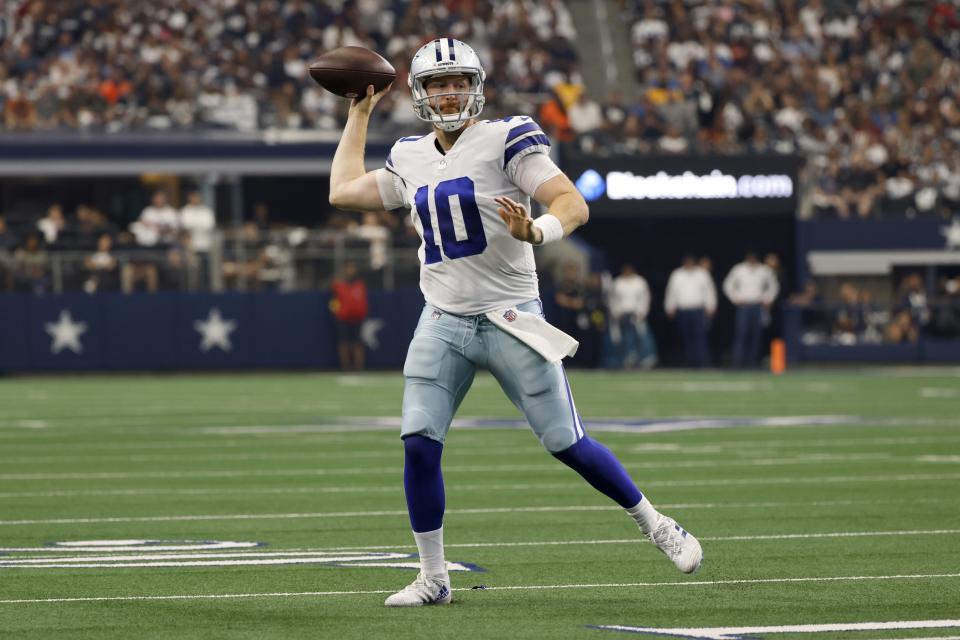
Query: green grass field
point(849, 514)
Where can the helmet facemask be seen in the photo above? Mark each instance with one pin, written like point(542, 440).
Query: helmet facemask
point(446, 57)
point(471, 101)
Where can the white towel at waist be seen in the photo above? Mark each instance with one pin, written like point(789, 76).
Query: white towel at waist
point(535, 332)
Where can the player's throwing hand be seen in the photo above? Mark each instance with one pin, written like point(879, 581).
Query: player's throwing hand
point(366, 104)
point(518, 221)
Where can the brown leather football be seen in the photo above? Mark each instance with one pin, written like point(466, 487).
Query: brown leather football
point(348, 71)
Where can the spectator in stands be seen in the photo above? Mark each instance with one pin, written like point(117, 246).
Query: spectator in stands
point(158, 222)
point(813, 320)
point(350, 307)
point(691, 298)
point(614, 117)
point(592, 321)
point(261, 216)
point(672, 141)
point(826, 193)
point(569, 296)
point(8, 243)
point(912, 299)
point(554, 119)
point(91, 225)
point(182, 270)
point(278, 272)
point(901, 329)
point(199, 221)
point(629, 334)
point(945, 322)
point(849, 321)
point(101, 267)
point(19, 112)
point(31, 266)
point(752, 287)
point(138, 268)
point(859, 185)
point(585, 116)
point(52, 224)
point(706, 263)
point(377, 235)
point(244, 258)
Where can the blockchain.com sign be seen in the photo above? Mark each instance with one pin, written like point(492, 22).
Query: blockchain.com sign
point(687, 185)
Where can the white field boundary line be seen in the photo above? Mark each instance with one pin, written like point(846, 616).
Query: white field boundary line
point(736, 633)
point(920, 477)
point(496, 545)
point(531, 587)
point(816, 459)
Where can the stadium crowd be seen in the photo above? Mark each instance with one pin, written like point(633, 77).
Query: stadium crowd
point(867, 90)
point(112, 65)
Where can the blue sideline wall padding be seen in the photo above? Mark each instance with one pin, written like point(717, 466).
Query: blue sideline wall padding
point(79, 332)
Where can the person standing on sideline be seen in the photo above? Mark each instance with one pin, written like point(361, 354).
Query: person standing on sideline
point(629, 306)
point(350, 307)
point(482, 296)
point(752, 287)
point(691, 298)
point(199, 220)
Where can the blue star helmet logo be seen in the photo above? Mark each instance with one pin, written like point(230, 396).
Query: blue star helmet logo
point(591, 185)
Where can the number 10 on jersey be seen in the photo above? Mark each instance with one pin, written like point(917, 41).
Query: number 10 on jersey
point(476, 240)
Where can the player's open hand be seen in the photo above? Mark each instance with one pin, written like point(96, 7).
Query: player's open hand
point(365, 105)
point(518, 221)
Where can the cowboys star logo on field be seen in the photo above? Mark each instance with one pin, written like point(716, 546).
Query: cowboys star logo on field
point(125, 554)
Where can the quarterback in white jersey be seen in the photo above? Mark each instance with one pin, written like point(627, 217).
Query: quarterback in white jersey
point(468, 185)
point(470, 262)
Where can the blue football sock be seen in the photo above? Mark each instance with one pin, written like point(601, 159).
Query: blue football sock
point(602, 470)
point(423, 483)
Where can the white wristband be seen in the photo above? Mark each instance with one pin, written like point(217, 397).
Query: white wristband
point(550, 226)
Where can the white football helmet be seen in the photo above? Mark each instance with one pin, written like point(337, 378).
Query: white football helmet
point(446, 56)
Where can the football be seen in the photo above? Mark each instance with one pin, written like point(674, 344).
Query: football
point(348, 71)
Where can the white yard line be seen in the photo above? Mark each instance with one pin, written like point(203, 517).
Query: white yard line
point(180, 444)
point(349, 514)
point(393, 469)
point(531, 587)
point(534, 543)
point(564, 486)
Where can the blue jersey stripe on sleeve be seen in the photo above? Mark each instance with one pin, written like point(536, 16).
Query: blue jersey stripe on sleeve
point(390, 159)
point(522, 129)
point(520, 145)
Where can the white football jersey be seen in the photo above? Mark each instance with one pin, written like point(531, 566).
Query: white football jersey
point(469, 262)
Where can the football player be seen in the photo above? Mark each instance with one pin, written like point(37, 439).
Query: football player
point(468, 185)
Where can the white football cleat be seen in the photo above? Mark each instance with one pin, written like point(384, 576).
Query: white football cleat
point(422, 591)
point(679, 545)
